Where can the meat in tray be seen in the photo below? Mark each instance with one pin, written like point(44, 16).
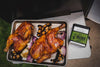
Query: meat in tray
point(42, 42)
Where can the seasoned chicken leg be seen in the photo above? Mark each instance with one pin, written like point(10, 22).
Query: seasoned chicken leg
point(46, 45)
point(20, 37)
point(44, 57)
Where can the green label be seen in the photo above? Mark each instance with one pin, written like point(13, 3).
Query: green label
point(79, 37)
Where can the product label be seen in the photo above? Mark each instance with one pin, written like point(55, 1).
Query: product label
point(79, 37)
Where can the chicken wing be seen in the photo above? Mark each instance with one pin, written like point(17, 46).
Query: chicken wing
point(20, 37)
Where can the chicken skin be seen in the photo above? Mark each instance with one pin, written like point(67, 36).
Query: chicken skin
point(20, 37)
point(46, 45)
